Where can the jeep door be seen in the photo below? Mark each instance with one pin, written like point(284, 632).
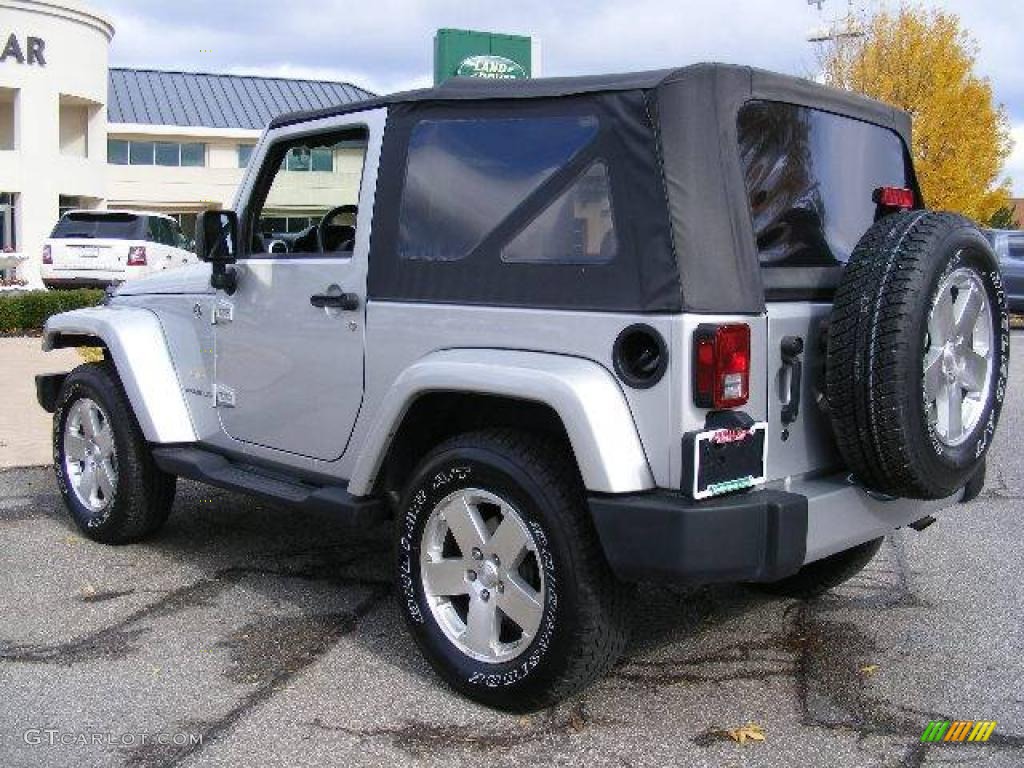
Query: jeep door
point(289, 342)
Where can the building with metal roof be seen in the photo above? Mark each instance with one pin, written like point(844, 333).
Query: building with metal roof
point(194, 99)
point(78, 134)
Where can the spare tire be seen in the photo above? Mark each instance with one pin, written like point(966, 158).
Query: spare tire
point(918, 354)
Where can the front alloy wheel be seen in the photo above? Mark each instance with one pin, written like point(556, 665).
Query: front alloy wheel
point(90, 460)
point(115, 492)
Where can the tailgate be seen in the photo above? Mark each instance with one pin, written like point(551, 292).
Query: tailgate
point(89, 255)
point(799, 431)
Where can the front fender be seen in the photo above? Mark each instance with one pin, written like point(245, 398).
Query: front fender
point(136, 343)
point(585, 396)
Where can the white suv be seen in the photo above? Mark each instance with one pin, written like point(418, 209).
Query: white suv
point(98, 248)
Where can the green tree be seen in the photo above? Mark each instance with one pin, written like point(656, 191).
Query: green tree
point(1004, 218)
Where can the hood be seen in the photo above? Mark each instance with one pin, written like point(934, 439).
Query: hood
point(193, 278)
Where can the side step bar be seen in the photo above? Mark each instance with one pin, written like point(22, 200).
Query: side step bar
point(214, 469)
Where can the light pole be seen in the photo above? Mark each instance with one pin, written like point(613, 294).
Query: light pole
point(838, 29)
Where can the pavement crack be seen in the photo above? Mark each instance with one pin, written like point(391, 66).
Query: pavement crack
point(422, 737)
point(269, 654)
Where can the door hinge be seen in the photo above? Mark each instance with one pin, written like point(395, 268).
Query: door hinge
point(224, 397)
point(223, 312)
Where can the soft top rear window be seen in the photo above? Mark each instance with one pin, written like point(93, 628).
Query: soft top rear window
point(101, 225)
point(810, 176)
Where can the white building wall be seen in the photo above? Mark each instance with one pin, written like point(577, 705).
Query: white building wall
point(76, 42)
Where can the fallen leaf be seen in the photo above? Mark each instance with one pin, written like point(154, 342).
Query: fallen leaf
point(751, 731)
point(869, 669)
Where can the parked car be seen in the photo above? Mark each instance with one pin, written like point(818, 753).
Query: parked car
point(1009, 247)
point(100, 248)
point(678, 327)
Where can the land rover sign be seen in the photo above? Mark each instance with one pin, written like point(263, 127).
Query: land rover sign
point(491, 68)
point(489, 55)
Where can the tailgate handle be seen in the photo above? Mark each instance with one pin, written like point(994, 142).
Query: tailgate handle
point(792, 367)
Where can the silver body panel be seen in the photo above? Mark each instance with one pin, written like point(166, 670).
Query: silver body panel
point(584, 395)
point(139, 349)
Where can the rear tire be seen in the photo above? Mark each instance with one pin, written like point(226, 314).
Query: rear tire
point(817, 578)
point(105, 472)
point(537, 651)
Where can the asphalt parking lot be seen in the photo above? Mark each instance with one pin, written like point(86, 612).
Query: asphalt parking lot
point(249, 635)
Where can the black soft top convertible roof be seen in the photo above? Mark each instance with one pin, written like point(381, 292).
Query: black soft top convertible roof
point(767, 85)
point(691, 245)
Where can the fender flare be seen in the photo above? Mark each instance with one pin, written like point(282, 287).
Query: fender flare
point(136, 343)
point(585, 396)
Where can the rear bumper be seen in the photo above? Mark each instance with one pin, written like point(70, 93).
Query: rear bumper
point(762, 535)
point(664, 536)
point(82, 282)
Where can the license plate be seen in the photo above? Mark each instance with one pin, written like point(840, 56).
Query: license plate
point(727, 460)
point(87, 253)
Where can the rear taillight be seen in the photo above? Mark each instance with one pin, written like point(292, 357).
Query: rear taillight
point(897, 198)
point(47, 255)
point(721, 362)
point(137, 256)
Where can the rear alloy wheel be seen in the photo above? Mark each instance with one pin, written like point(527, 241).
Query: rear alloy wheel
point(501, 577)
point(481, 576)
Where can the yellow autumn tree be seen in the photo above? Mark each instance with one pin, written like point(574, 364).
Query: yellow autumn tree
point(923, 61)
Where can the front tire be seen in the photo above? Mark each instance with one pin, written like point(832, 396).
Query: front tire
point(501, 578)
point(105, 472)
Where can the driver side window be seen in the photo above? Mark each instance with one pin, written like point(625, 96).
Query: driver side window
point(306, 199)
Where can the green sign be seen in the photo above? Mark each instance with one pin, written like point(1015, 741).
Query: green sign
point(464, 53)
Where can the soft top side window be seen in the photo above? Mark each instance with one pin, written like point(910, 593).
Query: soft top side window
point(492, 168)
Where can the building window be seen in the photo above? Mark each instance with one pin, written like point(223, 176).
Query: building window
point(68, 203)
point(168, 154)
point(8, 101)
point(117, 152)
point(245, 154)
point(193, 155)
point(319, 159)
point(162, 153)
point(73, 122)
point(141, 152)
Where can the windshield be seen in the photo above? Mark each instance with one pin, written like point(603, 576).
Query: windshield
point(100, 225)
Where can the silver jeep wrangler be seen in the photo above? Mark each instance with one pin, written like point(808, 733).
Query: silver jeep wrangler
point(683, 326)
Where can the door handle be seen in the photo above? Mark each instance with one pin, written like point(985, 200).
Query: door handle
point(792, 348)
point(345, 301)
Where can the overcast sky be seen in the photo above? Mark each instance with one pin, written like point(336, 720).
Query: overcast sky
point(386, 45)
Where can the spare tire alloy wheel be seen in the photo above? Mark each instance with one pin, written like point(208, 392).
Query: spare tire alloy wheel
point(918, 355)
point(958, 363)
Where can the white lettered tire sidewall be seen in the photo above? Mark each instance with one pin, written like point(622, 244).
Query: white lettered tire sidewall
point(500, 684)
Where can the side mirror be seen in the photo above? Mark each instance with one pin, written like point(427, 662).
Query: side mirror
point(217, 243)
